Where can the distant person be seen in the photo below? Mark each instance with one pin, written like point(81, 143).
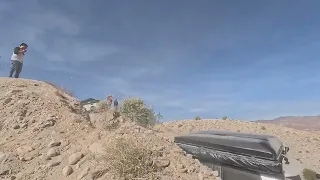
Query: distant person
point(115, 104)
point(17, 59)
point(109, 100)
point(116, 113)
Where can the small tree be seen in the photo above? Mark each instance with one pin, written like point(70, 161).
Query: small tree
point(197, 118)
point(224, 118)
point(136, 110)
point(159, 117)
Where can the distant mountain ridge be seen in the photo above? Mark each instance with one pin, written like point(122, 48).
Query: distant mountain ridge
point(308, 123)
point(89, 101)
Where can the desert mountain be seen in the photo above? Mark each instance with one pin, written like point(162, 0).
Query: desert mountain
point(309, 123)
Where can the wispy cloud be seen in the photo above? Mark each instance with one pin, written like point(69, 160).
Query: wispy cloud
point(205, 58)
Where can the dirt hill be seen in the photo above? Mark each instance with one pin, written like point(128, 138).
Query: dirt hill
point(308, 123)
point(304, 145)
point(46, 135)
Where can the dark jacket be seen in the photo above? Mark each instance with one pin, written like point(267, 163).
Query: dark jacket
point(115, 103)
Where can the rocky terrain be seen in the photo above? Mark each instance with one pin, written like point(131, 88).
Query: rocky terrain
point(307, 123)
point(46, 135)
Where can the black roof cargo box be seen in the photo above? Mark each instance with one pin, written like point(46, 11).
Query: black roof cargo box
point(252, 145)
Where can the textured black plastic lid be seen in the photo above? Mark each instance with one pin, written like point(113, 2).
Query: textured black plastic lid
point(254, 145)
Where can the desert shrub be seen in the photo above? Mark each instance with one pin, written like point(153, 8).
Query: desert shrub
point(111, 125)
point(116, 114)
point(224, 118)
point(309, 174)
point(130, 159)
point(197, 118)
point(103, 106)
point(263, 128)
point(136, 110)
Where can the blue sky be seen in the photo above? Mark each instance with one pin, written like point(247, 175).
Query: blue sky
point(242, 59)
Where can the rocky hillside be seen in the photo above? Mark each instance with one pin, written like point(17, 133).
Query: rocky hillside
point(304, 145)
point(308, 123)
point(46, 135)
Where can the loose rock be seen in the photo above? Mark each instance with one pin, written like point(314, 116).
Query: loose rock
point(66, 171)
point(162, 162)
point(4, 172)
point(83, 173)
point(98, 173)
point(24, 149)
point(3, 157)
point(200, 176)
point(28, 158)
point(16, 126)
point(54, 143)
point(52, 152)
point(75, 158)
point(53, 163)
point(23, 125)
point(215, 173)
point(97, 148)
point(48, 123)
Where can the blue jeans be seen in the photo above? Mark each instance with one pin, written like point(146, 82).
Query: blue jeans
point(16, 66)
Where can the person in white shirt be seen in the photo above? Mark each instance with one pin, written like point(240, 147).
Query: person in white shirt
point(17, 59)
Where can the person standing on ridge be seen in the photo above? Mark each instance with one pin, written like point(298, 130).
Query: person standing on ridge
point(116, 112)
point(17, 59)
point(115, 104)
point(109, 100)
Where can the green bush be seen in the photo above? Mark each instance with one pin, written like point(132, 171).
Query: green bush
point(103, 106)
point(159, 117)
point(136, 110)
point(225, 118)
point(197, 118)
point(309, 174)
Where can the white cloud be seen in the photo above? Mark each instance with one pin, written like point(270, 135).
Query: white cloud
point(91, 51)
point(51, 20)
point(36, 27)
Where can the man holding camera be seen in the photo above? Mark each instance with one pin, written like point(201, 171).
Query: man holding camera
point(17, 59)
